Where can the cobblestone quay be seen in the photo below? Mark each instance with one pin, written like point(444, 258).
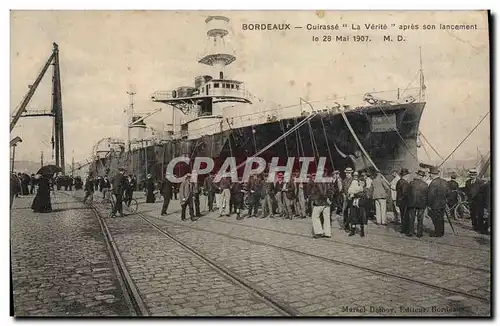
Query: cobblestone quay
point(60, 263)
point(61, 266)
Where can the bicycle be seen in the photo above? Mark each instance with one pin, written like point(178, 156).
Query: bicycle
point(461, 209)
point(130, 208)
point(158, 196)
point(105, 200)
point(89, 199)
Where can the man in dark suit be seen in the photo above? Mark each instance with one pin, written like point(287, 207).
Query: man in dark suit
point(254, 188)
point(14, 187)
point(346, 183)
point(209, 189)
point(186, 198)
point(289, 198)
point(129, 192)
point(336, 206)
point(417, 201)
point(119, 186)
point(196, 191)
point(453, 187)
point(269, 199)
point(437, 194)
point(32, 184)
point(321, 208)
point(166, 192)
point(89, 188)
point(279, 194)
point(402, 190)
point(476, 202)
point(486, 195)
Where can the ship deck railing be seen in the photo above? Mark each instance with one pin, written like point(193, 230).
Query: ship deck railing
point(166, 96)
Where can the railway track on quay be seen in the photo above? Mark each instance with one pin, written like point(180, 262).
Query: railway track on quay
point(169, 230)
point(404, 238)
point(326, 259)
point(436, 261)
point(133, 295)
point(424, 239)
point(130, 291)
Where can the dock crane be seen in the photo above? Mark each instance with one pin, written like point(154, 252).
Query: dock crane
point(56, 112)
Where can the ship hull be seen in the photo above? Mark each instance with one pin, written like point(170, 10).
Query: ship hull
point(388, 134)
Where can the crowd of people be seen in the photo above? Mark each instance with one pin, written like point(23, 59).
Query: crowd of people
point(121, 186)
point(357, 196)
point(22, 184)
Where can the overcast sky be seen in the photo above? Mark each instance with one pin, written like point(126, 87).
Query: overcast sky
point(103, 54)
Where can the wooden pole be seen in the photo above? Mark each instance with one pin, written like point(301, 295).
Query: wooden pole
point(13, 158)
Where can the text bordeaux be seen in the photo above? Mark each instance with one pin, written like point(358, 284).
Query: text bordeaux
point(265, 27)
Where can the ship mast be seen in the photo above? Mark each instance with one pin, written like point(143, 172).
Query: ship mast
point(421, 93)
point(72, 162)
point(130, 114)
point(218, 55)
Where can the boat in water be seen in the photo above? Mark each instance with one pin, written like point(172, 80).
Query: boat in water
point(222, 119)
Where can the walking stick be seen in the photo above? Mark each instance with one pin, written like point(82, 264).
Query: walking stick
point(206, 203)
point(449, 220)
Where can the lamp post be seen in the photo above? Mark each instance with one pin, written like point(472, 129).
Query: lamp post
point(13, 144)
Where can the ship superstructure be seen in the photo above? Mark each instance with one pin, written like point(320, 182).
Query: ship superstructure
point(203, 105)
point(221, 118)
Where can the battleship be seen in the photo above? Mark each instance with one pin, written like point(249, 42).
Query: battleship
point(221, 118)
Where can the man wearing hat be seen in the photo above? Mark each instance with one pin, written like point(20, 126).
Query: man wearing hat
point(453, 193)
point(166, 192)
point(417, 201)
point(278, 188)
point(88, 187)
point(472, 189)
point(186, 198)
point(209, 188)
point(302, 188)
point(395, 179)
point(119, 186)
point(486, 196)
point(254, 187)
point(320, 208)
point(437, 193)
point(269, 198)
point(336, 193)
point(225, 186)
point(196, 191)
point(402, 192)
point(380, 188)
point(310, 184)
point(237, 198)
point(289, 196)
point(346, 183)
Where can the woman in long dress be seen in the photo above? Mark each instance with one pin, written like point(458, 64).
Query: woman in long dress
point(150, 188)
point(41, 202)
point(14, 187)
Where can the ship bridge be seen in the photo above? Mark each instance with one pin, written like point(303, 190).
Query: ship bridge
point(187, 99)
